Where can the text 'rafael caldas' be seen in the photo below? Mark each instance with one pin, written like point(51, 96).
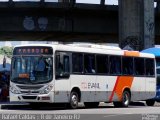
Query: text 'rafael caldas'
point(16, 117)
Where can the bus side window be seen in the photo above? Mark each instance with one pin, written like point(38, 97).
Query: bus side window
point(149, 63)
point(77, 63)
point(102, 64)
point(58, 65)
point(127, 65)
point(139, 66)
point(66, 63)
point(115, 65)
point(62, 65)
point(89, 63)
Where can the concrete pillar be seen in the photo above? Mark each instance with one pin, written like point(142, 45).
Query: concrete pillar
point(158, 7)
point(149, 24)
point(136, 24)
point(102, 2)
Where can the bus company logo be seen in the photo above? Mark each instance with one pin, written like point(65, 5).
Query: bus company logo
point(89, 85)
point(84, 85)
point(29, 91)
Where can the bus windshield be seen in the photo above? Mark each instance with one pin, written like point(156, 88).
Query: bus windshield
point(32, 69)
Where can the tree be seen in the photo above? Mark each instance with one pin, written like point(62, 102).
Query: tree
point(6, 50)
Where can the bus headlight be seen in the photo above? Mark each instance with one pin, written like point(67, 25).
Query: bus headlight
point(14, 90)
point(47, 89)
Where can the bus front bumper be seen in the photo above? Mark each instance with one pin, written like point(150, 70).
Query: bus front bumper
point(49, 98)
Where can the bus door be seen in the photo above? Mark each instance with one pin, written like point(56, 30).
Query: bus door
point(62, 75)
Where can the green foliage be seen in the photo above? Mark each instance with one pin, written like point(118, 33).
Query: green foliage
point(6, 51)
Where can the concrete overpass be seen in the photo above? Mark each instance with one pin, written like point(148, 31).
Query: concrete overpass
point(70, 21)
point(58, 21)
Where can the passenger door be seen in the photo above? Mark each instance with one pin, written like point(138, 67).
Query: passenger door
point(62, 75)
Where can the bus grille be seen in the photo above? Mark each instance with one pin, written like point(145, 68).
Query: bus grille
point(29, 91)
point(29, 97)
point(30, 87)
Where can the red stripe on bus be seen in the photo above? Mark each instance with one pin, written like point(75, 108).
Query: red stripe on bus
point(111, 97)
point(122, 82)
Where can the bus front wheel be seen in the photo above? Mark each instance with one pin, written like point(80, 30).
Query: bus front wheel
point(74, 98)
point(150, 102)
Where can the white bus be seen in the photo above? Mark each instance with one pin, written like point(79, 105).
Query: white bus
point(81, 73)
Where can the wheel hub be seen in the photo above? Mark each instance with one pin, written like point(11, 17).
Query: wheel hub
point(126, 99)
point(74, 100)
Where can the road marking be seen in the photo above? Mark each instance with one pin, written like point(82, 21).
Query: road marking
point(118, 115)
point(113, 115)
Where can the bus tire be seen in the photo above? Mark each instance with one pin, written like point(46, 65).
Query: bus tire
point(117, 104)
point(74, 99)
point(91, 104)
point(150, 102)
point(126, 98)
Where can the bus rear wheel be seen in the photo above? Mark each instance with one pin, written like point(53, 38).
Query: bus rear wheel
point(126, 98)
point(150, 102)
point(74, 98)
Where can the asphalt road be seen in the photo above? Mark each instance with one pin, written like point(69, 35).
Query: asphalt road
point(136, 111)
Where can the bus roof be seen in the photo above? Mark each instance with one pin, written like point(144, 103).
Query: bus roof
point(154, 50)
point(92, 48)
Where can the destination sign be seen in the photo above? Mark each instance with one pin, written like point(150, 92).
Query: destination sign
point(33, 50)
